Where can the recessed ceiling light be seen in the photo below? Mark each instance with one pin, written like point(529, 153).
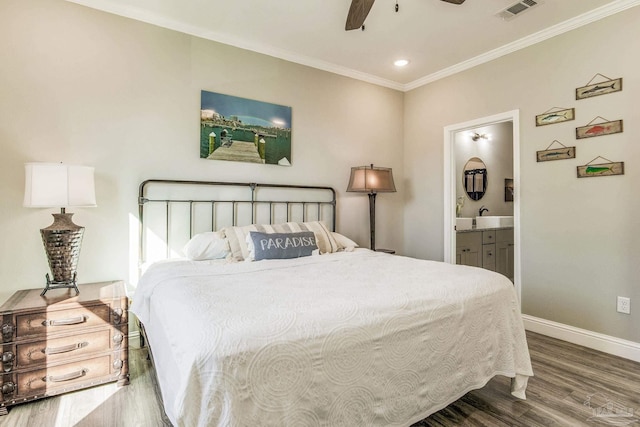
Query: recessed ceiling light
point(401, 62)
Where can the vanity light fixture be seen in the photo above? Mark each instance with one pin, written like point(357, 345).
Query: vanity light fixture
point(476, 136)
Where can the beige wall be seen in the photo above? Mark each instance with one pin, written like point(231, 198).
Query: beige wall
point(82, 86)
point(580, 238)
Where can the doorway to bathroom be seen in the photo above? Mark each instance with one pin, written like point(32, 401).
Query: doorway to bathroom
point(480, 171)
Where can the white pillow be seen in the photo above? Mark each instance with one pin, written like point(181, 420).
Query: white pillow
point(344, 243)
point(209, 245)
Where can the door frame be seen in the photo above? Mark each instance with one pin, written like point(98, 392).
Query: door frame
point(450, 180)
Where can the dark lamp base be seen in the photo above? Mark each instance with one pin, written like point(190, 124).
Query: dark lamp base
point(73, 284)
point(62, 241)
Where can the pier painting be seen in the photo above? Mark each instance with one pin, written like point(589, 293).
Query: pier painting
point(244, 130)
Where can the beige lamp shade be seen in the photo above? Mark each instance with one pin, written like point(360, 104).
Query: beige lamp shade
point(370, 179)
point(58, 185)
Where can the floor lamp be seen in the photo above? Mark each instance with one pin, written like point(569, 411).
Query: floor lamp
point(371, 180)
point(58, 185)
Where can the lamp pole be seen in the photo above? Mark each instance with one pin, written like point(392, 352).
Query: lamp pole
point(371, 180)
point(372, 219)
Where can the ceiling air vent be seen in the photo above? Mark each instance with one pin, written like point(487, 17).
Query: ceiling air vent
point(516, 9)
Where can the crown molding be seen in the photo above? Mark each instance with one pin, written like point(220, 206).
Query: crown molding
point(566, 26)
point(161, 21)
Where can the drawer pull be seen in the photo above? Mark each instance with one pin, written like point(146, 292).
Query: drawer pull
point(7, 361)
point(62, 322)
point(8, 389)
point(7, 331)
point(64, 348)
point(65, 377)
point(117, 339)
point(117, 315)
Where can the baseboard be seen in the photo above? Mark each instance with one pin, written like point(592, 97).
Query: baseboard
point(605, 343)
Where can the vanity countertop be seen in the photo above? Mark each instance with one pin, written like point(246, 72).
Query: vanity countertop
point(470, 230)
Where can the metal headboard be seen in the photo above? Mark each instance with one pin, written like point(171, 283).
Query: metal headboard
point(226, 204)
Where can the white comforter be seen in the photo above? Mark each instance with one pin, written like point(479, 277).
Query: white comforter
point(347, 339)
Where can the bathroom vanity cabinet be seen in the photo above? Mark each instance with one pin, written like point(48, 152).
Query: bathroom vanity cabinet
point(505, 252)
point(491, 249)
point(468, 248)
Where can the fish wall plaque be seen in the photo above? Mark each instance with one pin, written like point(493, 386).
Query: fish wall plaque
point(552, 117)
point(602, 88)
point(599, 129)
point(600, 169)
point(561, 153)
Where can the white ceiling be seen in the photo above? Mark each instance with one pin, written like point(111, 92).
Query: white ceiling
point(437, 37)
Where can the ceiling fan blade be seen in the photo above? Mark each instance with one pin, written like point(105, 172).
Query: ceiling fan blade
point(454, 1)
point(358, 12)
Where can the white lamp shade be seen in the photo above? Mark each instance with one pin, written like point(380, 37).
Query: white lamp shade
point(58, 185)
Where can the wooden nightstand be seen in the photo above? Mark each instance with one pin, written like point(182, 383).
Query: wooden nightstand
point(61, 342)
point(386, 251)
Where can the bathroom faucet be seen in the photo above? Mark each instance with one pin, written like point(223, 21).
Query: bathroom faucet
point(482, 210)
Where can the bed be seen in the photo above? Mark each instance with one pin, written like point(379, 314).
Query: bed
point(348, 337)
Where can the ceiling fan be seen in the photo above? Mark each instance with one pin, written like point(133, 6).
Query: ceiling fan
point(359, 10)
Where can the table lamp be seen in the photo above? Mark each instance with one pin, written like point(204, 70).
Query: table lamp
point(372, 180)
point(59, 185)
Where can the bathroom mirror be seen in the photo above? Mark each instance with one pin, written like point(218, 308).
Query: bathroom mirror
point(474, 178)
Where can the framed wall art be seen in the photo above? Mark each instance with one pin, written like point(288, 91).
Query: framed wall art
point(508, 189)
point(560, 153)
point(592, 169)
point(601, 88)
point(244, 130)
point(555, 115)
point(599, 129)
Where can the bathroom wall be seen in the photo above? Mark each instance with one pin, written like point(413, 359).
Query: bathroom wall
point(497, 155)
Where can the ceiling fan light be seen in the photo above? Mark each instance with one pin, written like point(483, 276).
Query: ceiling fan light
point(401, 62)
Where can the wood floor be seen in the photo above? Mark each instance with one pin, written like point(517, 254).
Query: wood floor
point(572, 386)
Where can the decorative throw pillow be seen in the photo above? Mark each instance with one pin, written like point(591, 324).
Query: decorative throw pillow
point(237, 236)
point(208, 245)
point(281, 245)
point(326, 243)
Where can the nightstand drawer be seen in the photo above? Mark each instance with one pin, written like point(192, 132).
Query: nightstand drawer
point(61, 349)
point(62, 378)
point(53, 322)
